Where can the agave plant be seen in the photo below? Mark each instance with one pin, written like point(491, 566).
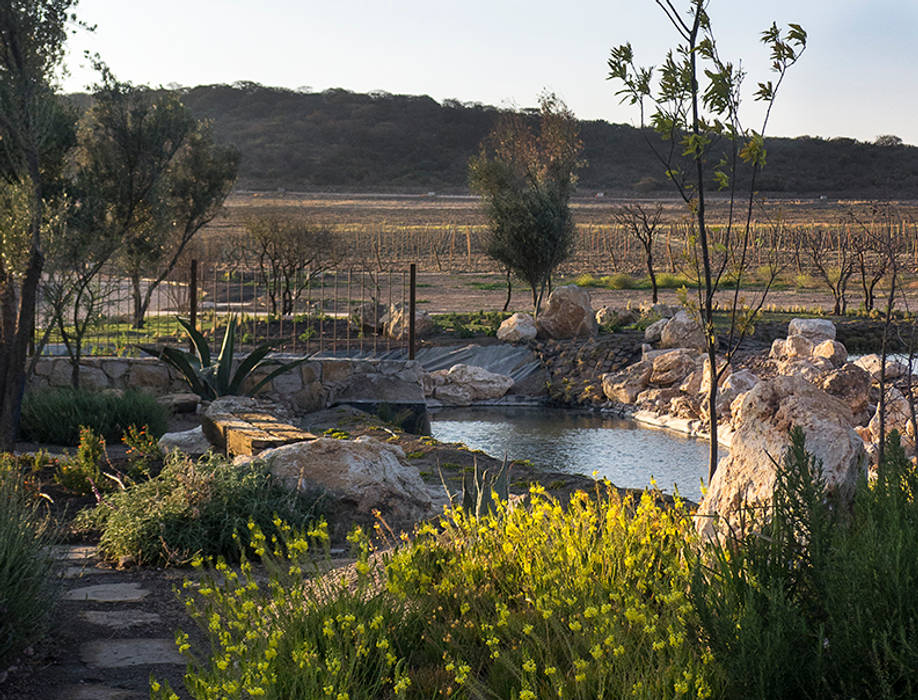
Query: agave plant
point(480, 493)
point(209, 377)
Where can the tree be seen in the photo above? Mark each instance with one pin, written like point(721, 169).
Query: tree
point(693, 101)
point(289, 254)
point(642, 222)
point(525, 177)
point(159, 176)
point(36, 132)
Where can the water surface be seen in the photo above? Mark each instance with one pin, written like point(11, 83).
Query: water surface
point(580, 443)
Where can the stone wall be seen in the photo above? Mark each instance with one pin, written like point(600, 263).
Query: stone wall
point(314, 385)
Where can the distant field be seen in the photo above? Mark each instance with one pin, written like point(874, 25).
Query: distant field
point(447, 233)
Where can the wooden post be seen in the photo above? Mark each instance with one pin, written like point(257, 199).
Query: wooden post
point(193, 297)
point(412, 280)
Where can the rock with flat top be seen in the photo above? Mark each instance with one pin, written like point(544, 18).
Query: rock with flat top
point(833, 351)
point(191, 442)
point(873, 363)
point(672, 367)
point(653, 332)
point(814, 329)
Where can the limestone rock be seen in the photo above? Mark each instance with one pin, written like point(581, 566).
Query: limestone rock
point(624, 386)
point(764, 418)
point(851, 384)
point(519, 327)
point(453, 394)
point(814, 329)
point(777, 349)
point(365, 472)
point(191, 442)
point(691, 385)
point(653, 332)
point(396, 322)
point(898, 417)
point(806, 369)
point(569, 314)
point(798, 347)
point(481, 383)
point(722, 367)
point(656, 398)
point(672, 367)
point(368, 317)
point(872, 364)
point(431, 380)
point(183, 402)
point(833, 351)
point(682, 331)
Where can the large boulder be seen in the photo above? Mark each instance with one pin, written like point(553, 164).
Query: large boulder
point(369, 474)
point(672, 367)
point(397, 321)
point(518, 328)
point(624, 386)
point(368, 317)
point(682, 331)
point(733, 385)
point(833, 351)
point(744, 481)
point(873, 364)
point(798, 347)
point(480, 383)
point(190, 442)
point(569, 314)
point(814, 329)
point(851, 384)
point(653, 332)
point(898, 417)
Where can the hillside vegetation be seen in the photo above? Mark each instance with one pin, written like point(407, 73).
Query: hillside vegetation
point(339, 140)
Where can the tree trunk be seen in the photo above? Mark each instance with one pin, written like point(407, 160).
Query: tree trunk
point(137, 297)
point(509, 291)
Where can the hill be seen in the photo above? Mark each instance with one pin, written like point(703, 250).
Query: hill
point(339, 140)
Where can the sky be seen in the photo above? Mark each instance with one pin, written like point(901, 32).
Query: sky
point(856, 79)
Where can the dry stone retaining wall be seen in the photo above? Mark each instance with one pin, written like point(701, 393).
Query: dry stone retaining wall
point(312, 386)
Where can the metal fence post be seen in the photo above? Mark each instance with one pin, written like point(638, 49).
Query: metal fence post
point(193, 297)
point(412, 279)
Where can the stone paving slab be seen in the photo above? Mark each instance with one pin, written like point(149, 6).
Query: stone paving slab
point(72, 572)
point(96, 691)
point(120, 653)
point(120, 619)
point(72, 552)
point(108, 593)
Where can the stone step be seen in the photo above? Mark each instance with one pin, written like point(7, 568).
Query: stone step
point(72, 552)
point(108, 593)
point(97, 691)
point(120, 619)
point(120, 653)
point(250, 432)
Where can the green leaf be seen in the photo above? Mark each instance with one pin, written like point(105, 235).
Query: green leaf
point(199, 341)
point(225, 359)
point(248, 365)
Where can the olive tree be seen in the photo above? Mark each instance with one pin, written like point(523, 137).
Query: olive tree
point(525, 174)
point(159, 176)
point(35, 133)
point(693, 101)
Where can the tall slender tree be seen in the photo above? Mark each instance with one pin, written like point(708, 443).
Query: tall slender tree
point(35, 133)
point(693, 102)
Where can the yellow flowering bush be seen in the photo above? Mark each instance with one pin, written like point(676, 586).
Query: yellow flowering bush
point(586, 600)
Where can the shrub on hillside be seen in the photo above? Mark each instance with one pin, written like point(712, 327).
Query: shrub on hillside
point(27, 586)
point(55, 416)
point(195, 508)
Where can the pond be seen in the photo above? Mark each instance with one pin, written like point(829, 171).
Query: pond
point(579, 443)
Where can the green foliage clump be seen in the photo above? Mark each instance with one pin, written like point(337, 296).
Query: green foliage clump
point(194, 508)
point(528, 602)
point(469, 325)
point(27, 585)
point(83, 471)
point(56, 416)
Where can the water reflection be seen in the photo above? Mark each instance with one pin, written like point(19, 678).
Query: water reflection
point(580, 443)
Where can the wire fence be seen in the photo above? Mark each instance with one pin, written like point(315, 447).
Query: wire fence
point(324, 311)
